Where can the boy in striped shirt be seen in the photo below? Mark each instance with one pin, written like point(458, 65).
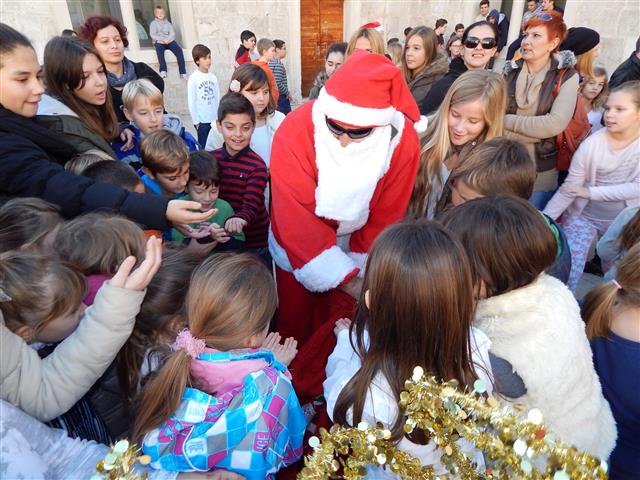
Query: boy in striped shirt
point(244, 174)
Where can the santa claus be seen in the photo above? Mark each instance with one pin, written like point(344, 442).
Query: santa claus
point(342, 169)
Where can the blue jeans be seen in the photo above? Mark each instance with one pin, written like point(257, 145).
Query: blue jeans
point(284, 105)
point(176, 50)
point(540, 199)
point(203, 133)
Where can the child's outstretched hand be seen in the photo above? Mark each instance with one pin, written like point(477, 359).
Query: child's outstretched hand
point(186, 211)
point(285, 352)
point(141, 276)
point(235, 225)
point(219, 234)
point(342, 324)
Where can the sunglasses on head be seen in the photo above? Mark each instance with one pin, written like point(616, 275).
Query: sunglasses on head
point(353, 133)
point(487, 43)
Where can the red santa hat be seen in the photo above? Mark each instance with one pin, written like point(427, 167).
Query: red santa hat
point(368, 90)
point(374, 25)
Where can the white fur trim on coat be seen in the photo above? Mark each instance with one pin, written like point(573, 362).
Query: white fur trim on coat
point(538, 329)
point(320, 274)
point(352, 114)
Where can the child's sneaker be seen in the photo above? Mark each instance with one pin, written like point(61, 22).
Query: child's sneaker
point(163, 74)
point(183, 76)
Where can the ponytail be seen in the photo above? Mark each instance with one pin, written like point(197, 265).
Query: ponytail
point(162, 394)
point(598, 308)
point(625, 290)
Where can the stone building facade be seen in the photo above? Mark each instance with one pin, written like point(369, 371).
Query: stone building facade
point(218, 23)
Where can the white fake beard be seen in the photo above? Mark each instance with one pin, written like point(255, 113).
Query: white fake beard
point(348, 176)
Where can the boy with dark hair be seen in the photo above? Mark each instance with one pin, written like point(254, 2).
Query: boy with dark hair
point(247, 44)
point(280, 74)
point(483, 8)
point(117, 173)
point(244, 173)
point(441, 27)
point(503, 167)
point(204, 187)
point(267, 51)
point(203, 93)
point(165, 164)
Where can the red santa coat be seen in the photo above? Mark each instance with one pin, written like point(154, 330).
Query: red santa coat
point(310, 246)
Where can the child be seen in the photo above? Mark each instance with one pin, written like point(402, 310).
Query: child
point(604, 177)
point(593, 92)
point(540, 353)
point(623, 234)
point(164, 36)
point(219, 401)
point(244, 174)
point(165, 164)
point(267, 52)
point(95, 244)
point(143, 105)
point(46, 388)
point(612, 313)
point(503, 167)
point(26, 223)
point(251, 81)
point(415, 309)
point(80, 162)
point(117, 173)
point(247, 44)
point(280, 75)
point(204, 187)
point(203, 93)
point(159, 321)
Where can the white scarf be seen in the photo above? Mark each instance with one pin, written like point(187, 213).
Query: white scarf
point(348, 176)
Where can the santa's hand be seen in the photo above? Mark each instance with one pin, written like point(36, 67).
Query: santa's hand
point(235, 225)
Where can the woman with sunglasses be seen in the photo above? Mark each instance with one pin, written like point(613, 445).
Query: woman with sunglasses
point(423, 63)
point(472, 112)
point(535, 114)
point(478, 48)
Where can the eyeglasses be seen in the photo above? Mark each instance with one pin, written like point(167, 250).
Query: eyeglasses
point(353, 134)
point(487, 43)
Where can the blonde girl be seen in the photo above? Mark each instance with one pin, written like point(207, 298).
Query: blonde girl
point(593, 92)
point(368, 39)
point(252, 82)
point(471, 112)
point(612, 313)
point(423, 63)
point(217, 392)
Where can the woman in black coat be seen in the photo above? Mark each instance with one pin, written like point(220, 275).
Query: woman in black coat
point(32, 156)
point(109, 37)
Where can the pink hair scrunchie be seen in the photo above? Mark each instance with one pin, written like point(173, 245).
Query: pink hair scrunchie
point(191, 345)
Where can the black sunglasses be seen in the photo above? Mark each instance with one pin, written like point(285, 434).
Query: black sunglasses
point(487, 43)
point(353, 134)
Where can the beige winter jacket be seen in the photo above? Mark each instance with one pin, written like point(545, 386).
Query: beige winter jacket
point(46, 388)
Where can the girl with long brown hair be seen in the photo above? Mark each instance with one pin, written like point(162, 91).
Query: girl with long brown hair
point(415, 310)
point(77, 103)
point(471, 112)
point(612, 313)
point(218, 392)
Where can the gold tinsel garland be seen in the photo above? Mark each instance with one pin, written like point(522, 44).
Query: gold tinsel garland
point(120, 463)
point(514, 446)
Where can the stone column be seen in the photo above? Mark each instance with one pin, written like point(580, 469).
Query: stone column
point(129, 20)
point(517, 10)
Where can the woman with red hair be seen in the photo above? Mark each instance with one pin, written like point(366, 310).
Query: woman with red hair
point(109, 37)
point(536, 111)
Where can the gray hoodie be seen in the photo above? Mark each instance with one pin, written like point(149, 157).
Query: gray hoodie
point(161, 30)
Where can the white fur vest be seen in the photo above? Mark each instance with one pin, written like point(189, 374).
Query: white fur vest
point(538, 329)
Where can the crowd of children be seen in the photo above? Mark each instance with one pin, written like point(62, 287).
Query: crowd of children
point(137, 290)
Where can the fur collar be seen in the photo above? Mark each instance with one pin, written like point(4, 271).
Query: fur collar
point(564, 59)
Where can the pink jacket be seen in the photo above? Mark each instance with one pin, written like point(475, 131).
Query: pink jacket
point(593, 162)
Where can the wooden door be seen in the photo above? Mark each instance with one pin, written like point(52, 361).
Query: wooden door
point(320, 26)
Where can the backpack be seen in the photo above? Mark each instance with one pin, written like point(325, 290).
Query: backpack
point(578, 129)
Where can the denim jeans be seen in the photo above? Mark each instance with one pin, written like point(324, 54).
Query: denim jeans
point(540, 199)
point(284, 105)
point(177, 51)
point(203, 133)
